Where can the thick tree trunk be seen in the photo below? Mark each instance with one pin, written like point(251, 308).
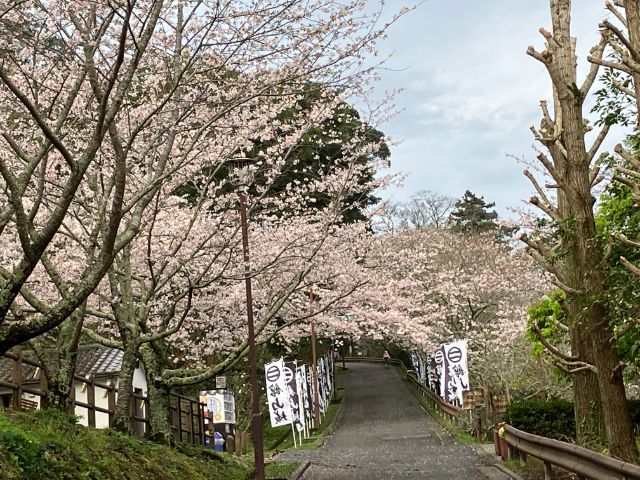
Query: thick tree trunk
point(123, 420)
point(58, 395)
point(632, 14)
point(159, 407)
point(60, 377)
point(580, 267)
point(612, 393)
point(590, 428)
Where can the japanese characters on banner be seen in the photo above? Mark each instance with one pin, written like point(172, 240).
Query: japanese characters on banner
point(440, 368)
point(456, 378)
point(423, 372)
point(432, 374)
point(321, 386)
point(329, 373)
point(420, 367)
point(448, 372)
point(290, 391)
point(277, 394)
point(294, 395)
point(310, 401)
point(415, 363)
point(301, 382)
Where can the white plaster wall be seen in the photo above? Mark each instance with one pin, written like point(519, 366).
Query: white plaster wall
point(101, 398)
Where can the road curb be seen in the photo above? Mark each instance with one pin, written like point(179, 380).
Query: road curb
point(297, 475)
point(507, 472)
point(334, 422)
point(496, 463)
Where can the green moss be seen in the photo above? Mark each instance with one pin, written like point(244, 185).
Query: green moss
point(278, 470)
point(47, 444)
point(465, 438)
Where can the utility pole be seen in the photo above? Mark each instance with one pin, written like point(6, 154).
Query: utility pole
point(256, 417)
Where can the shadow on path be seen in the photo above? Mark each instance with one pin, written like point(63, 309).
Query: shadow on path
point(385, 434)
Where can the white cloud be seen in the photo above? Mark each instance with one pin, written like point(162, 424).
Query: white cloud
point(471, 92)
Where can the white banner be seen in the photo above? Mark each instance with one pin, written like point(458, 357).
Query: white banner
point(321, 383)
point(277, 394)
point(290, 369)
point(302, 393)
point(456, 377)
point(441, 364)
point(423, 372)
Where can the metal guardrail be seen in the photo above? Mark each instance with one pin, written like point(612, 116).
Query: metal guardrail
point(439, 405)
point(582, 461)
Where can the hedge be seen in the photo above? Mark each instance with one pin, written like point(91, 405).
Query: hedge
point(553, 418)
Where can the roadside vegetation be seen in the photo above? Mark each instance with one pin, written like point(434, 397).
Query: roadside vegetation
point(48, 444)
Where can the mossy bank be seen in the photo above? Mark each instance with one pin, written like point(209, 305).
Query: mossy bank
point(47, 444)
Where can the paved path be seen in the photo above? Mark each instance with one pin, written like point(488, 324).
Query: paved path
point(385, 434)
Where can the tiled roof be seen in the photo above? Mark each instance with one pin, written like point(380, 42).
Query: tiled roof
point(92, 360)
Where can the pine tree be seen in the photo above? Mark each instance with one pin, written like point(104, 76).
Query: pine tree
point(473, 215)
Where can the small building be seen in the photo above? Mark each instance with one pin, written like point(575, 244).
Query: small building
point(97, 362)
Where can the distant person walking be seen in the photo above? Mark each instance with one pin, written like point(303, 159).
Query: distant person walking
point(386, 357)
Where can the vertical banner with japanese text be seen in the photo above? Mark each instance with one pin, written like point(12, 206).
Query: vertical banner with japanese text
point(441, 369)
point(294, 395)
point(456, 371)
point(432, 374)
point(277, 394)
point(302, 392)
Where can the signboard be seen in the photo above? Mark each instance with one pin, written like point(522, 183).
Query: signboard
point(220, 405)
point(471, 397)
point(277, 394)
point(221, 381)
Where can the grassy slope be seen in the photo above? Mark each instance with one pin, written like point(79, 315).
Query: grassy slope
point(49, 445)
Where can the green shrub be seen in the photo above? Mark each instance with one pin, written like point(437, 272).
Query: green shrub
point(554, 418)
point(26, 452)
point(634, 410)
point(547, 418)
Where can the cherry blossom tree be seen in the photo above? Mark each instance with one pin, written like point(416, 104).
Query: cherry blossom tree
point(174, 294)
point(102, 104)
point(432, 286)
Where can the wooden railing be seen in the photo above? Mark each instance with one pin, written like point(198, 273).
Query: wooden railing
point(188, 421)
point(586, 463)
point(445, 409)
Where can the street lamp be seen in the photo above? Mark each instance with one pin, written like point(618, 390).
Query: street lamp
point(256, 418)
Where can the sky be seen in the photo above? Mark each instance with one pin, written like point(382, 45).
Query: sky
point(470, 93)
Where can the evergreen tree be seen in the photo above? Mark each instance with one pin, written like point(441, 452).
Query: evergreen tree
point(472, 215)
point(318, 152)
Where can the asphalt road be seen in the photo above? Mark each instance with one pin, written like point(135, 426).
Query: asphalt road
point(383, 433)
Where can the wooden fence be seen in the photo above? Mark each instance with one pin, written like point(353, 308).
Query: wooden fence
point(189, 422)
point(18, 386)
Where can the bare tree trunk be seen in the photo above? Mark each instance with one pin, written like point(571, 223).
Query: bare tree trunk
point(579, 270)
